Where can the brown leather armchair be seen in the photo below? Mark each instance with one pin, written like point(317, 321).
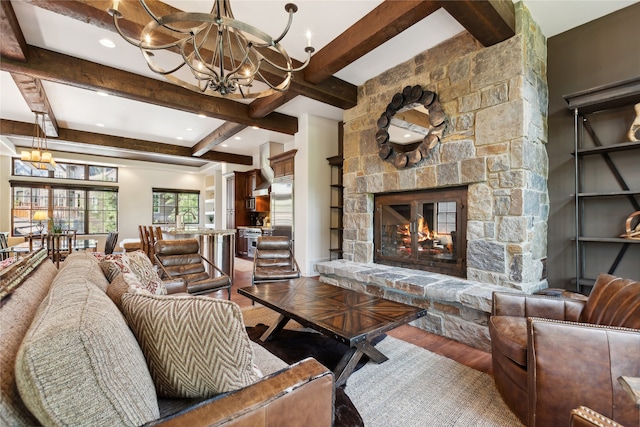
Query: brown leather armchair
point(273, 260)
point(180, 259)
point(551, 355)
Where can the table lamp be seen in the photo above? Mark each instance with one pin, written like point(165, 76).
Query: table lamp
point(40, 216)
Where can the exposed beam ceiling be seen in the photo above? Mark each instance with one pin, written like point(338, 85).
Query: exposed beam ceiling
point(489, 21)
point(12, 128)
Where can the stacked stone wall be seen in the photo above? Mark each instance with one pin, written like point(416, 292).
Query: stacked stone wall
point(495, 99)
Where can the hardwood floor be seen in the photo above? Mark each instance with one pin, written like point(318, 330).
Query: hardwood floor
point(461, 353)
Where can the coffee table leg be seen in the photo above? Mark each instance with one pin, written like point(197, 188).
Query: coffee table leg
point(373, 353)
point(346, 365)
point(275, 328)
point(351, 358)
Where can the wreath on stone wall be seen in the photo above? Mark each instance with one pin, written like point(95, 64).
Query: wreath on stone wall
point(410, 155)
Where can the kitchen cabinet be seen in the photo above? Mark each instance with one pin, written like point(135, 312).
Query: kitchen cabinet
point(230, 208)
point(236, 211)
point(283, 164)
point(259, 203)
point(607, 181)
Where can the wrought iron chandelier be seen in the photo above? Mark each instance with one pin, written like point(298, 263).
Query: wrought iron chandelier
point(39, 157)
point(225, 56)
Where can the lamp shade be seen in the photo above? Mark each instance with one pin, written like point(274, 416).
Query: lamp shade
point(40, 216)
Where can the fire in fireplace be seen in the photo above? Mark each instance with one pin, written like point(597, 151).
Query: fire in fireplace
point(423, 230)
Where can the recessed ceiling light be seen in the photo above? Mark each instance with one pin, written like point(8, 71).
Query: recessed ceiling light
point(202, 116)
point(189, 130)
point(179, 138)
point(102, 93)
point(223, 145)
point(255, 127)
point(407, 135)
point(100, 125)
point(237, 138)
point(107, 43)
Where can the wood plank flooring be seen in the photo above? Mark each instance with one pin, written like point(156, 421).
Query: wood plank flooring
point(461, 353)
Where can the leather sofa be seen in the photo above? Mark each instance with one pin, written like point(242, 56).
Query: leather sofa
point(94, 367)
point(551, 355)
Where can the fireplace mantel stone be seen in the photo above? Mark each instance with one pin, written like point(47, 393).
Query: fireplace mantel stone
point(456, 308)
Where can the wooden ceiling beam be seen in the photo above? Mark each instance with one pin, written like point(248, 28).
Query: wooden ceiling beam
point(36, 98)
point(490, 22)
point(216, 137)
point(15, 47)
point(47, 65)
point(264, 106)
point(383, 23)
point(21, 129)
point(13, 43)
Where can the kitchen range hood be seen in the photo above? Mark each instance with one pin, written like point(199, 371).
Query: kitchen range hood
point(267, 150)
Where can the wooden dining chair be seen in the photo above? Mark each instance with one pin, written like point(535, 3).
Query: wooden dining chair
point(151, 241)
point(70, 238)
point(144, 242)
point(158, 233)
point(52, 243)
point(4, 244)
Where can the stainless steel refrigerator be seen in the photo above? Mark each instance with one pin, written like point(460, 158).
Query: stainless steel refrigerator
point(282, 207)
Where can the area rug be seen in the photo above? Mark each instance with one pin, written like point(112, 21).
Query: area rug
point(413, 388)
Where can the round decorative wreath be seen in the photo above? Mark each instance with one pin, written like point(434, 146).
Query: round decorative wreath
point(410, 96)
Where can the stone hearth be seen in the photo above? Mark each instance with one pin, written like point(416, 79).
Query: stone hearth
point(456, 308)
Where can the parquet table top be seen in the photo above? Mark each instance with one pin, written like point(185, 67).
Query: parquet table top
point(348, 316)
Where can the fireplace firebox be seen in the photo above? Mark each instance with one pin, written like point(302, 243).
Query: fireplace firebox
point(423, 230)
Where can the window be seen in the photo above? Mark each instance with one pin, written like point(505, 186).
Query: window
point(167, 204)
point(68, 171)
point(103, 173)
point(86, 210)
point(26, 201)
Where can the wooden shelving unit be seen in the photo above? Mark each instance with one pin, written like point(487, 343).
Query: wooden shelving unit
point(336, 203)
point(603, 181)
point(336, 206)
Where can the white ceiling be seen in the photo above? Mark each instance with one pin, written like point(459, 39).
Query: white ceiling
point(84, 110)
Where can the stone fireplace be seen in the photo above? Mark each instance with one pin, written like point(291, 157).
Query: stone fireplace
point(425, 230)
point(495, 102)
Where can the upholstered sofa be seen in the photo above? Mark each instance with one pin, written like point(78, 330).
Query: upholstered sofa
point(70, 356)
point(553, 354)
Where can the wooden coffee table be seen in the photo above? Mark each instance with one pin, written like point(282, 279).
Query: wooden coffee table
point(347, 316)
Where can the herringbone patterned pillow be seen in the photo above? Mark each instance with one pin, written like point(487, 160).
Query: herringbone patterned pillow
point(194, 346)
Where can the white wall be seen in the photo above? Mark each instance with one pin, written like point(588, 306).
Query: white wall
point(316, 140)
point(135, 181)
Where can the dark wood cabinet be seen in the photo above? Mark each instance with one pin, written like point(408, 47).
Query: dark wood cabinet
point(237, 213)
point(230, 207)
point(283, 164)
point(259, 203)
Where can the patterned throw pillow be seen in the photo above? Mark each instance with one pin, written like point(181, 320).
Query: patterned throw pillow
point(7, 262)
point(138, 264)
point(195, 347)
point(111, 265)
